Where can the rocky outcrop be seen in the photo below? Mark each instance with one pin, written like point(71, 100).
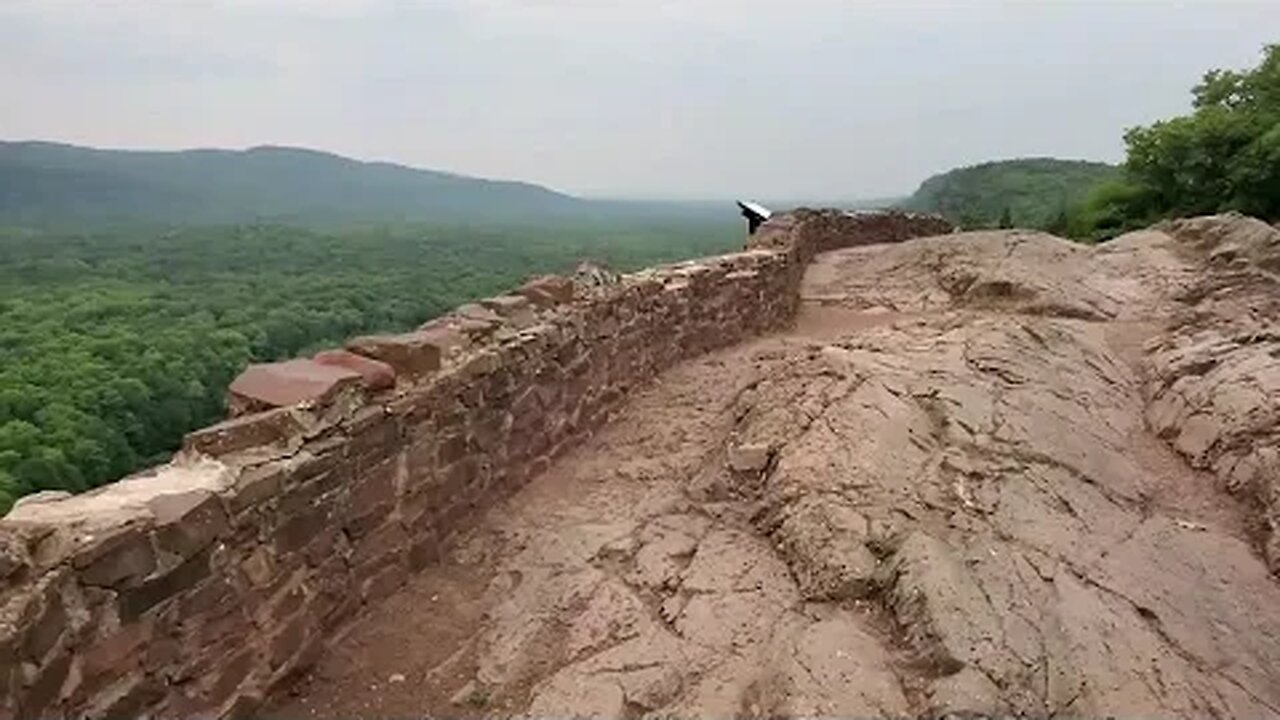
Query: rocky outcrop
point(924, 501)
point(1215, 377)
point(197, 588)
point(979, 479)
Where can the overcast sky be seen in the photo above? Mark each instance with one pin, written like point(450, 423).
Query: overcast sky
point(828, 99)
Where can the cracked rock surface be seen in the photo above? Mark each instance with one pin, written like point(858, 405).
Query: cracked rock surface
point(989, 474)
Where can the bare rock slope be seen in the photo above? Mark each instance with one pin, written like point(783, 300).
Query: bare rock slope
point(988, 474)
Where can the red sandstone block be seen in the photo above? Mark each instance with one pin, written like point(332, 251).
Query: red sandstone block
point(506, 305)
point(115, 653)
point(473, 320)
point(187, 523)
point(37, 700)
point(514, 308)
point(478, 313)
point(375, 374)
point(133, 602)
point(119, 558)
point(547, 290)
point(411, 354)
point(244, 432)
point(44, 620)
point(282, 384)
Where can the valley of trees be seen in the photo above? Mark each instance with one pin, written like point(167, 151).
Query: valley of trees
point(112, 345)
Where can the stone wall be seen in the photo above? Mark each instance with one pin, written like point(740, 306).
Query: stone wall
point(199, 587)
point(810, 232)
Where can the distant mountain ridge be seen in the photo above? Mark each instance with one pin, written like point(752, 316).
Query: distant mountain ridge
point(1030, 192)
point(45, 183)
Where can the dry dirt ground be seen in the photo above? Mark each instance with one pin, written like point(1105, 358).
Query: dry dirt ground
point(983, 476)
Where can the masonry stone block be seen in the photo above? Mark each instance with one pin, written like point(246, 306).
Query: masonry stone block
point(119, 558)
point(187, 522)
point(160, 587)
point(273, 427)
point(43, 691)
point(374, 374)
point(116, 653)
point(283, 384)
point(411, 355)
point(476, 312)
point(46, 625)
point(547, 291)
point(515, 309)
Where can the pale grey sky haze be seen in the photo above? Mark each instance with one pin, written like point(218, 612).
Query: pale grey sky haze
point(826, 99)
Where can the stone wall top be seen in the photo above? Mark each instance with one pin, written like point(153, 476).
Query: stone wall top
point(810, 232)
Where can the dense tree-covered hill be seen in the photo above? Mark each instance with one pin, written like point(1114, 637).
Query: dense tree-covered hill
point(47, 184)
point(1028, 192)
point(113, 344)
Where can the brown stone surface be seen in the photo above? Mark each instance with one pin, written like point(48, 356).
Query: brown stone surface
point(1214, 383)
point(547, 291)
point(960, 512)
point(260, 429)
point(375, 375)
point(122, 558)
point(14, 556)
point(282, 384)
point(515, 309)
point(749, 457)
point(411, 355)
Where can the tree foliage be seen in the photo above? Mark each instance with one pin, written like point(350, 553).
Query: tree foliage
point(1224, 155)
point(112, 345)
point(1028, 192)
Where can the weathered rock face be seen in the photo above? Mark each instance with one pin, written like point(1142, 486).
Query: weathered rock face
point(198, 588)
point(982, 471)
point(979, 479)
point(923, 501)
point(1215, 377)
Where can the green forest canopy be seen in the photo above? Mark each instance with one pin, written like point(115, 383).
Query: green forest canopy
point(1224, 155)
point(112, 345)
point(1027, 192)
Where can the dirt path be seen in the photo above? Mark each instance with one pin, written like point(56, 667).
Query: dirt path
point(936, 495)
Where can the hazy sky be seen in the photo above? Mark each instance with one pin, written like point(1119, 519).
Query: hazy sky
point(688, 98)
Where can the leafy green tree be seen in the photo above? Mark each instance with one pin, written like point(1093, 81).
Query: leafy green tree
point(1061, 223)
point(1224, 155)
point(1006, 219)
point(1109, 210)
